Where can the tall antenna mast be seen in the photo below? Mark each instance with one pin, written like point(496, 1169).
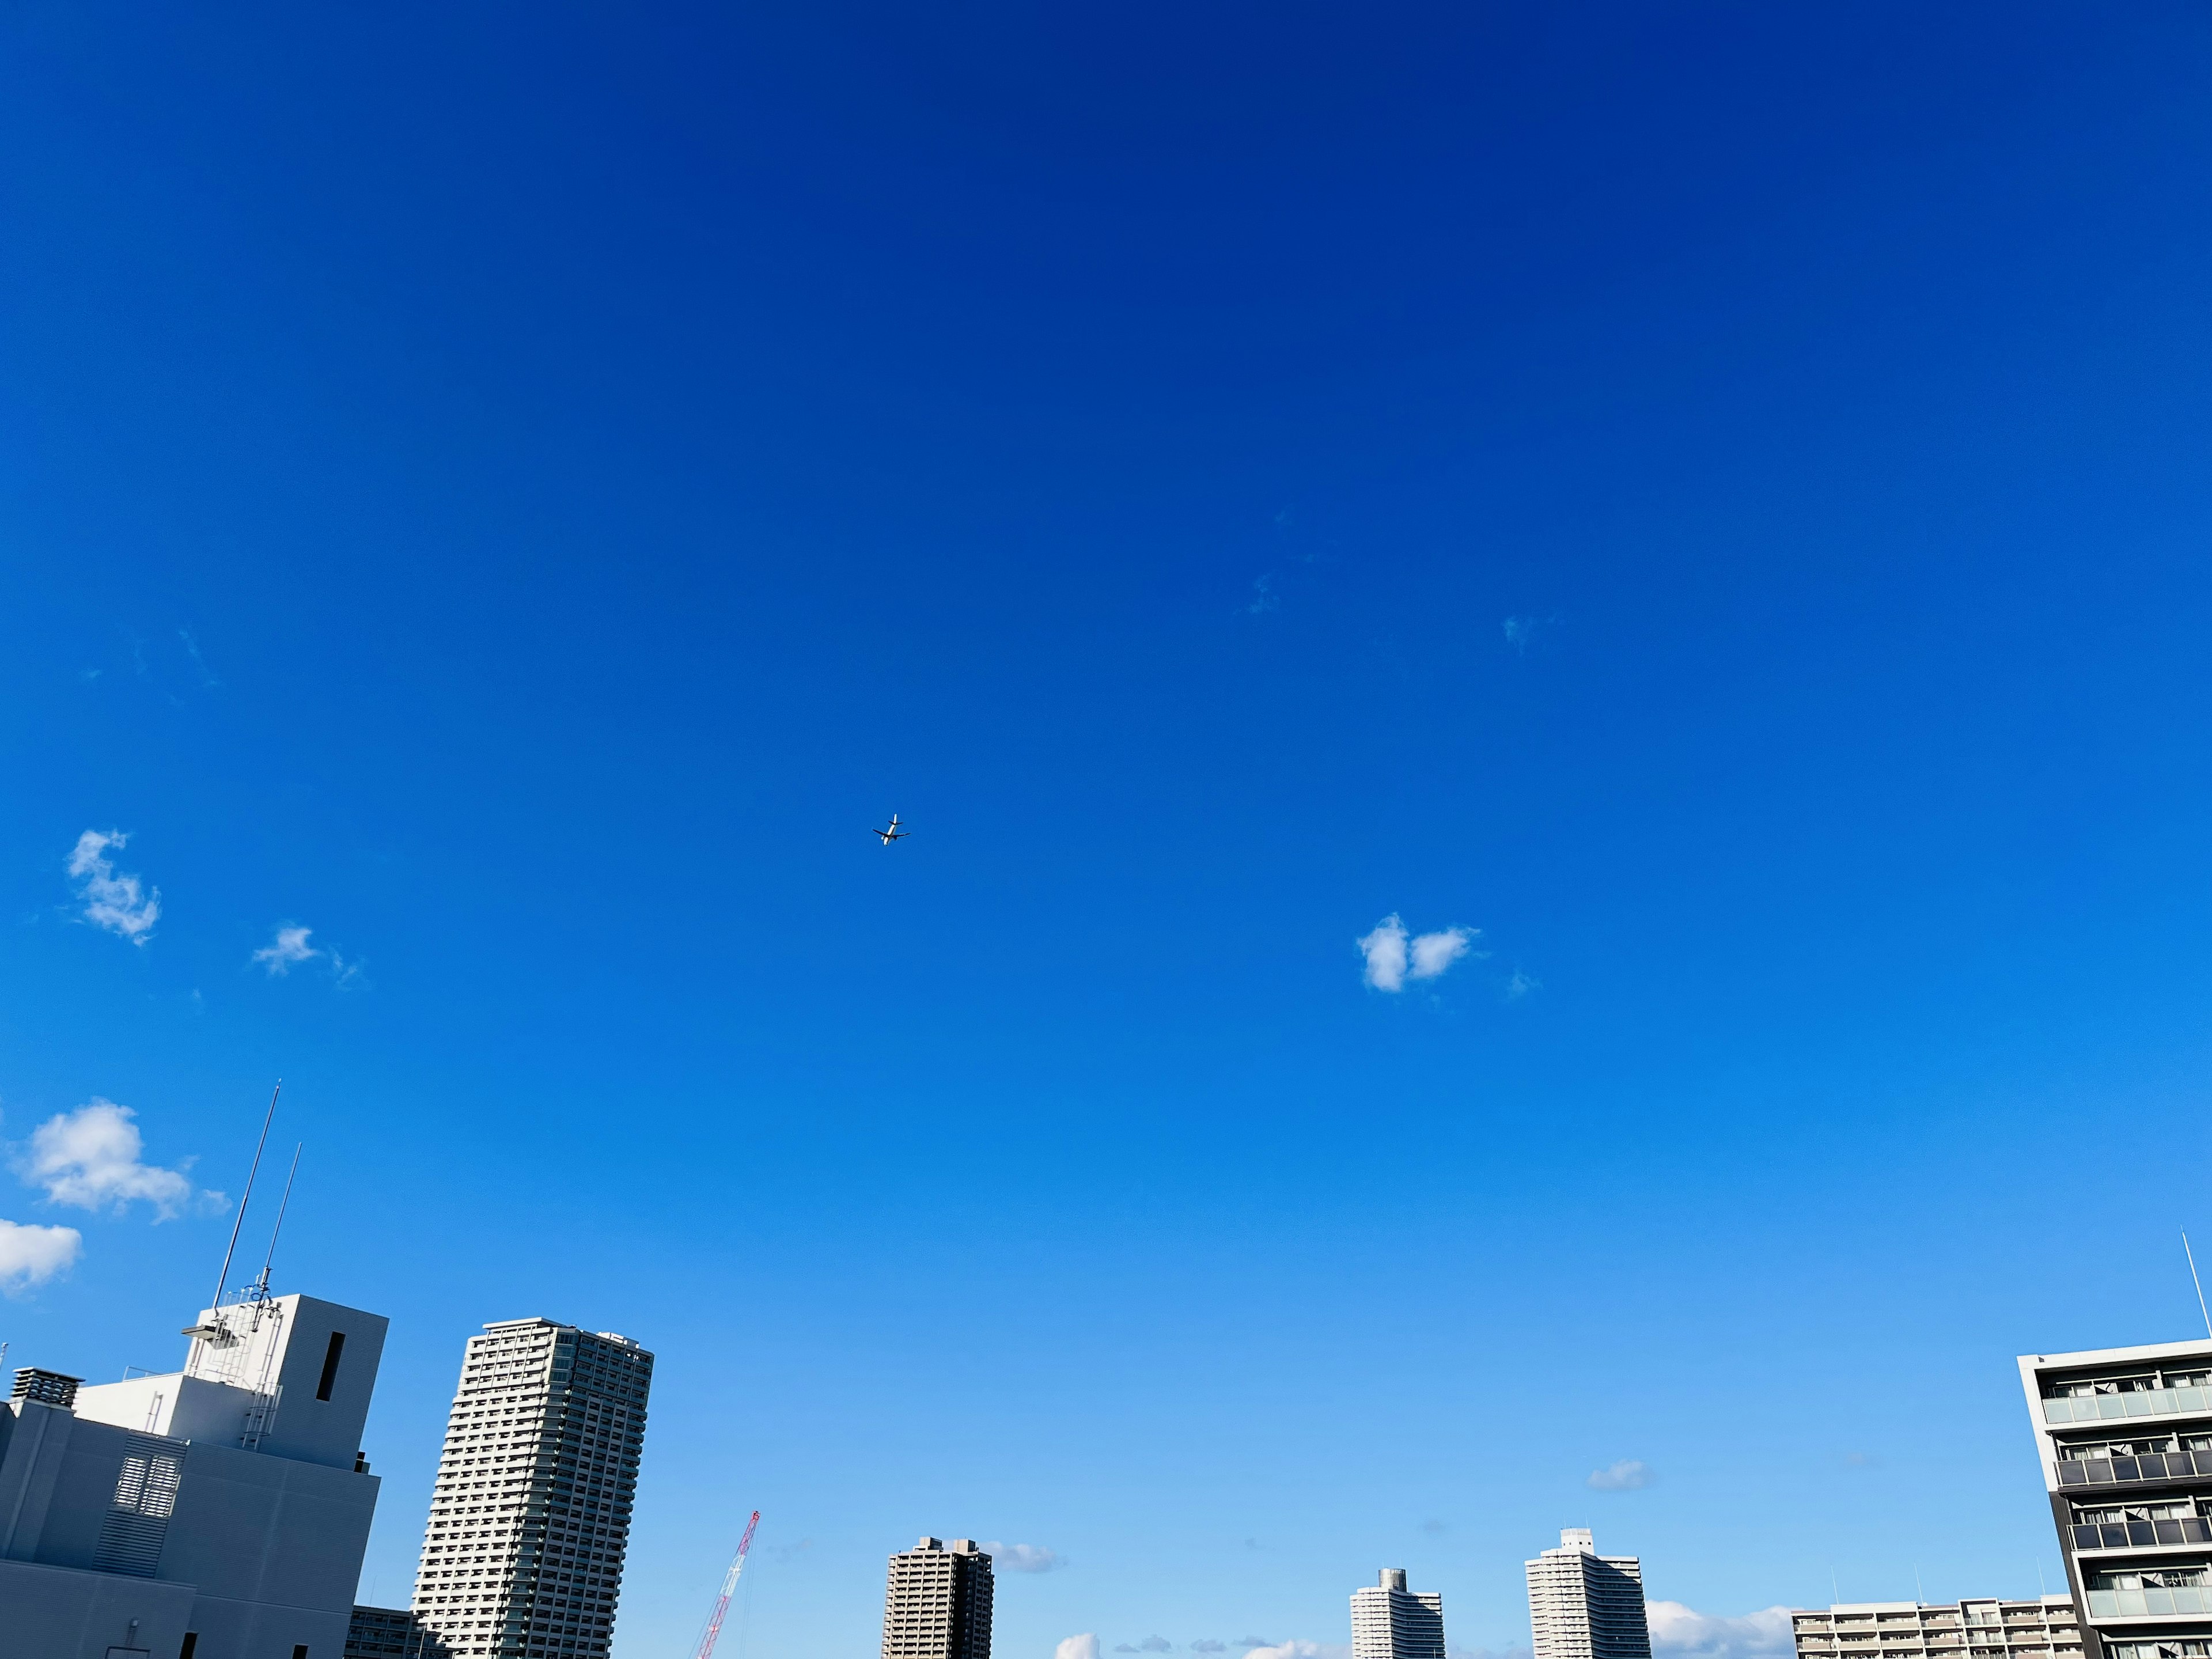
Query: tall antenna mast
point(261, 1285)
point(223, 1277)
point(2195, 1280)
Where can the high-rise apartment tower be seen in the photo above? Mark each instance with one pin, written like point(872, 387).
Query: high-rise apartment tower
point(1984, 1629)
point(937, 1602)
point(1390, 1621)
point(1583, 1605)
point(523, 1555)
point(2125, 1440)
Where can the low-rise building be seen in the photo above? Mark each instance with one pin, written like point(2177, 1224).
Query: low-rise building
point(216, 1510)
point(2046, 1628)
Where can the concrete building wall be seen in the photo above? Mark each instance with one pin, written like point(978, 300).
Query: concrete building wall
point(251, 1554)
point(55, 1613)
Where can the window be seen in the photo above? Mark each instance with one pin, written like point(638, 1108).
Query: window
point(323, 1391)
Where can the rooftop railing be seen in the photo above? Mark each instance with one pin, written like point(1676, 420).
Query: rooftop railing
point(2152, 1466)
point(2116, 1407)
point(2124, 1534)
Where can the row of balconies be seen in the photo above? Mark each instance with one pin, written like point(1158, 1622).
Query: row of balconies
point(2150, 1465)
point(2146, 1603)
point(2130, 1534)
point(2117, 1407)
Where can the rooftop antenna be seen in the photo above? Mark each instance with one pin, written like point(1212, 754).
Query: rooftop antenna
point(2195, 1280)
point(261, 1285)
point(223, 1277)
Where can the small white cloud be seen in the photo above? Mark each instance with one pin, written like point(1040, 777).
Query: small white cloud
point(1393, 955)
point(31, 1256)
point(1630, 1475)
point(116, 902)
point(1077, 1647)
point(1521, 984)
point(289, 949)
point(1688, 1634)
point(1385, 950)
point(1022, 1557)
point(1434, 952)
point(1207, 1644)
point(89, 1158)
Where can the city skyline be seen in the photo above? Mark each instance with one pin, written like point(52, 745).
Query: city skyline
point(1542, 668)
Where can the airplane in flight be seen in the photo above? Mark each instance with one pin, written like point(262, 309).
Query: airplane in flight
point(894, 833)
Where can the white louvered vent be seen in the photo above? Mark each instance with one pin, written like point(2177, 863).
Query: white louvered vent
point(132, 1531)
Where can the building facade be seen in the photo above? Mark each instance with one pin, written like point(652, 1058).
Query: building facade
point(1390, 1621)
point(1583, 1605)
point(523, 1555)
point(2124, 1436)
point(2043, 1629)
point(219, 1510)
point(937, 1603)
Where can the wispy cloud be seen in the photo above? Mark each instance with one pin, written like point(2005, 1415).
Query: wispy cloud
point(1077, 1647)
point(1434, 1527)
point(1395, 956)
point(1630, 1475)
point(1522, 632)
point(31, 1256)
point(1296, 1649)
point(1149, 1645)
point(1520, 984)
point(289, 949)
point(1207, 1645)
point(1862, 1460)
point(1023, 1557)
point(1264, 597)
point(92, 1159)
point(1684, 1633)
point(192, 650)
point(116, 902)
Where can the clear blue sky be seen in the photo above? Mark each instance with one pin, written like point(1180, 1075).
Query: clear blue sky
point(1715, 498)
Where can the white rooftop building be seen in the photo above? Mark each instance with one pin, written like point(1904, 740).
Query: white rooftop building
point(219, 1512)
point(1390, 1621)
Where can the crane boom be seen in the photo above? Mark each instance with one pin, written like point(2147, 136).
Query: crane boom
point(729, 1588)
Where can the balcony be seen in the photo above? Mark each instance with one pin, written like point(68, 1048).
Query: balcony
point(2155, 1466)
point(2127, 1534)
point(2116, 1407)
point(2146, 1603)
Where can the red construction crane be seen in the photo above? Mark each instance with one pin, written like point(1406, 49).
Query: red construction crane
point(729, 1588)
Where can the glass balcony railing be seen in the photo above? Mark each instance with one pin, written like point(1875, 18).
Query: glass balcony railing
point(2122, 1535)
point(2154, 1465)
point(2115, 1408)
point(2141, 1603)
